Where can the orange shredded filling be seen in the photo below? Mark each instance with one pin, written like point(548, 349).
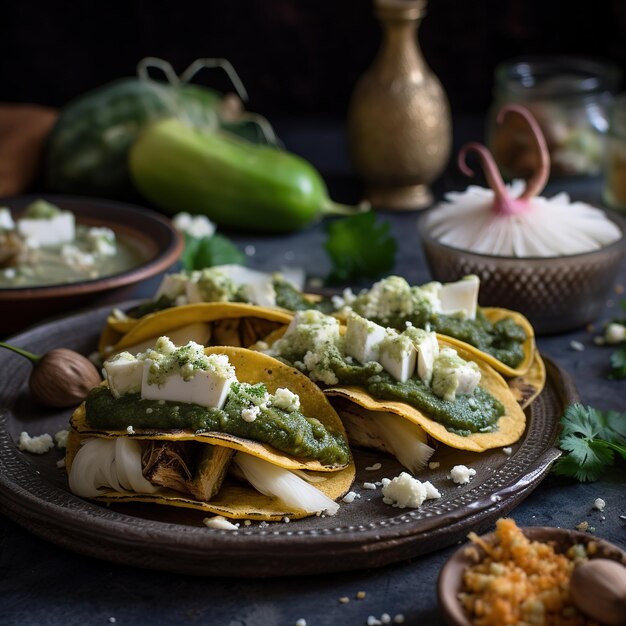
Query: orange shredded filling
point(520, 582)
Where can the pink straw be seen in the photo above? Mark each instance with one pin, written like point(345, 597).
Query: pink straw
point(503, 203)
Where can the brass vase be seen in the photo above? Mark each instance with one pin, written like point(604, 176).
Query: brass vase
point(399, 126)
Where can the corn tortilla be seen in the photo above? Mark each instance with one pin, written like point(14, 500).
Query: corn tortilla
point(234, 500)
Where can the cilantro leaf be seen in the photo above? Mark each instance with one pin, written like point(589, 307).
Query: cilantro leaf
point(359, 247)
point(618, 363)
point(208, 251)
point(591, 438)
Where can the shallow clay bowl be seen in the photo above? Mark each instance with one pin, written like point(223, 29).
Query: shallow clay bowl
point(158, 243)
point(450, 582)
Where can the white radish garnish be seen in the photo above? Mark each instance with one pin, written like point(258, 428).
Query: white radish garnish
point(108, 465)
point(272, 480)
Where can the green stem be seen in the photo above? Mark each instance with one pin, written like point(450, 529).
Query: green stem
point(335, 208)
point(33, 358)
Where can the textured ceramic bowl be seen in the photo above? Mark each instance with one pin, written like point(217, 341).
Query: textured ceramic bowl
point(450, 581)
point(155, 239)
point(556, 294)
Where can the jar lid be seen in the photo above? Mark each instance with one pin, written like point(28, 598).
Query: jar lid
point(552, 77)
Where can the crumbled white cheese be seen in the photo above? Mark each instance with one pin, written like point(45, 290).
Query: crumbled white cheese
point(576, 345)
point(405, 491)
point(385, 618)
point(247, 523)
point(433, 465)
point(599, 504)
point(219, 522)
point(286, 400)
point(508, 451)
point(61, 463)
point(301, 622)
point(350, 497)
point(61, 438)
point(398, 619)
point(461, 474)
point(373, 468)
point(130, 430)
point(35, 445)
point(286, 520)
point(369, 486)
point(197, 226)
point(615, 333)
point(250, 250)
point(373, 621)
point(250, 414)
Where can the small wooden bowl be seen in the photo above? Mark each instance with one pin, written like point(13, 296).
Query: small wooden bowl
point(156, 239)
point(450, 581)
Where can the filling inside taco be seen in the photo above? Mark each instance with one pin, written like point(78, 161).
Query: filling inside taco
point(181, 419)
point(407, 373)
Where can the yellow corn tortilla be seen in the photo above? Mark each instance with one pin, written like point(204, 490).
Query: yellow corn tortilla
point(250, 367)
point(234, 500)
point(154, 325)
point(510, 426)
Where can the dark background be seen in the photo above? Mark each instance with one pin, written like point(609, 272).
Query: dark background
point(296, 57)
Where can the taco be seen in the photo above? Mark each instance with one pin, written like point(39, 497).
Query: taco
point(223, 429)
point(221, 284)
point(217, 323)
point(403, 389)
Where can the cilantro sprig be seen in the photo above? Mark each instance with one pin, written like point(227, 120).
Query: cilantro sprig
point(360, 247)
point(593, 439)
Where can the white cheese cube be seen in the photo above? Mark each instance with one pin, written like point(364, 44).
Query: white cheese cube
point(460, 297)
point(172, 286)
point(427, 352)
point(362, 338)
point(453, 375)
point(204, 388)
point(51, 231)
point(468, 378)
point(261, 293)
point(398, 356)
point(124, 374)
point(6, 221)
point(192, 291)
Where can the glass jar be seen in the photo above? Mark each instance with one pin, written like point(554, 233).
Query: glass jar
point(569, 97)
point(615, 175)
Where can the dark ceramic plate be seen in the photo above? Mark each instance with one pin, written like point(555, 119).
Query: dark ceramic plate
point(365, 533)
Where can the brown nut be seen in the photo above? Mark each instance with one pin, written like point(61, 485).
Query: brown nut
point(598, 589)
point(62, 378)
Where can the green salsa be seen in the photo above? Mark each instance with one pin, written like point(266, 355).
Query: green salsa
point(288, 431)
point(474, 413)
point(478, 412)
point(504, 340)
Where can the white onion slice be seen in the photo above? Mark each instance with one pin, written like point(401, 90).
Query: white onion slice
point(406, 439)
point(105, 465)
point(272, 480)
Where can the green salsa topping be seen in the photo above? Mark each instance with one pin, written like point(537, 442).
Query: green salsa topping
point(288, 431)
point(478, 412)
point(315, 347)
